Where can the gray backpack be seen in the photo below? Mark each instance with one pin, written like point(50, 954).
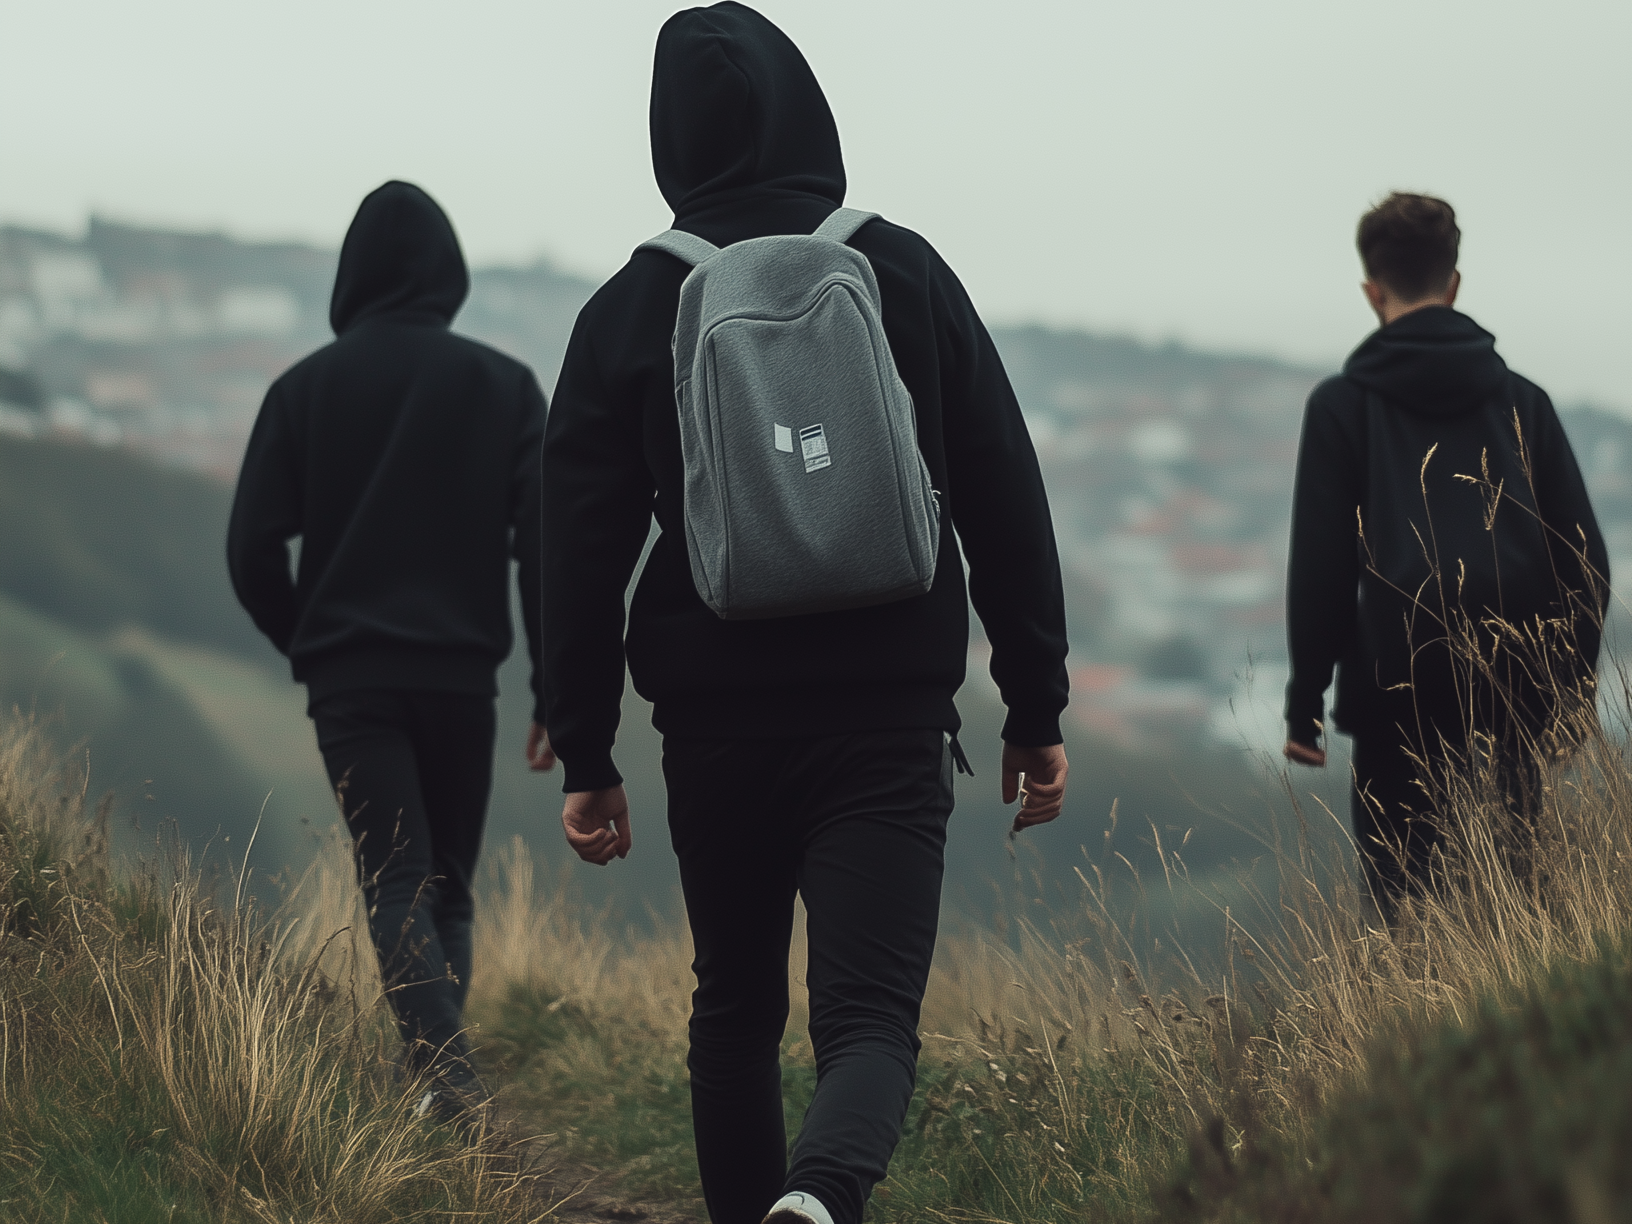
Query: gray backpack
point(805, 491)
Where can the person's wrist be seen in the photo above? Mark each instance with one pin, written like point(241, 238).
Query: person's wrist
point(1034, 748)
point(594, 774)
point(1032, 729)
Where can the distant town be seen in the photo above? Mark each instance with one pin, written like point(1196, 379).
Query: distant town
point(1169, 469)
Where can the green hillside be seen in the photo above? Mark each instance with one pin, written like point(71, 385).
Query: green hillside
point(97, 539)
point(119, 627)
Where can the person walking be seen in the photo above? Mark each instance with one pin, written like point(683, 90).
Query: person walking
point(406, 460)
point(806, 400)
point(1436, 494)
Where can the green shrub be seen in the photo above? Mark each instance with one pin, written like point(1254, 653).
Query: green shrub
point(1519, 1111)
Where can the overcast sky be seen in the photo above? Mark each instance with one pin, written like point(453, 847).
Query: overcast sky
point(1167, 169)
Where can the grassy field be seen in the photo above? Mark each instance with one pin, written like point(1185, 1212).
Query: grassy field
point(1477, 1066)
point(166, 1054)
point(1474, 1063)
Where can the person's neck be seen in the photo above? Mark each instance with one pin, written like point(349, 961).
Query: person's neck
point(1392, 312)
point(1388, 306)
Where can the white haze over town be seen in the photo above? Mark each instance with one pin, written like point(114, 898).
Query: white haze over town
point(1186, 169)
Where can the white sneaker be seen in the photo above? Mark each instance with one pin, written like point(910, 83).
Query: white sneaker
point(797, 1208)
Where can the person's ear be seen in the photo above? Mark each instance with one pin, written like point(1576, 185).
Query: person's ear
point(1376, 297)
point(1451, 289)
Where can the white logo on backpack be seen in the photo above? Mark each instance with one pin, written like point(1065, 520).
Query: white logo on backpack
point(813, 442)
point(791, 326)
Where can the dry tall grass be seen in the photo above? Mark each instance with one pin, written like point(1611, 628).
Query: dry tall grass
point(528, 933)
point(169, 1054)
point(159, 1044)
point(1069, 1067)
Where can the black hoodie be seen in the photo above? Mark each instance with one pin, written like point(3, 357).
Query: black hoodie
point(744, 145)
point(406, 458)
point(1422, 404)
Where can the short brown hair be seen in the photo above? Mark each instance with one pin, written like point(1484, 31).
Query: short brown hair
point(1409, 244)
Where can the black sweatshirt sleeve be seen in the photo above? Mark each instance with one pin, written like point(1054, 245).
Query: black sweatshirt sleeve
point(526, 522)
point(266, 515)
point(1323, 568)
point(1580, 558)
point(597, 499)
point(1000, 509)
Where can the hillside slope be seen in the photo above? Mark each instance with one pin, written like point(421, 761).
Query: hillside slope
point(118, 625)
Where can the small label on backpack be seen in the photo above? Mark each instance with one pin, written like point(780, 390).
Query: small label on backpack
point(784, 438)
point(814, 444)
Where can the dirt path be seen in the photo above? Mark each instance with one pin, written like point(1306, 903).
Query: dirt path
point(590, 1204)
point(578, 1193)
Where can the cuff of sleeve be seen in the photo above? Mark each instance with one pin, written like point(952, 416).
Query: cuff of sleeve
point(1305, 718)
point(595, 772)
point(1032, 729)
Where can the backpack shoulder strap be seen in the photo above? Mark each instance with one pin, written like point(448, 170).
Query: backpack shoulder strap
point(842, 223)
point(683, 246)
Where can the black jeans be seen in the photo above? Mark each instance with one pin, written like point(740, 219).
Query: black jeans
point(1397, 829)
point(412, 771)
point(856, 825)
point(1394, 825)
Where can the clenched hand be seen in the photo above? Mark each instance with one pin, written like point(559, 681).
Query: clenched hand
point(1035, 776)
point(1304, 754)
point(597, 824)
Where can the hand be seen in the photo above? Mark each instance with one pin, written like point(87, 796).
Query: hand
point(1035, 776)
point(1303, 754)
point(540, 756)
point(597, 824)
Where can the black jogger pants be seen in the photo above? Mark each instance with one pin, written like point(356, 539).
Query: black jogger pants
point(412, 771)
point(856, 826)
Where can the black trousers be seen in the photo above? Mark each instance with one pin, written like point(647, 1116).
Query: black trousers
point(1394, 824)
point(412, 771)
point(1398, 830)
point(856, 826)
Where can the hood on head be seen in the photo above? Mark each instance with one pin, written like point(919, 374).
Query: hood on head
point(737, 110)
point(1435, 361)
point(400, 254)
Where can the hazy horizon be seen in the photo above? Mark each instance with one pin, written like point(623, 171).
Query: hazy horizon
point(1170, 171)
